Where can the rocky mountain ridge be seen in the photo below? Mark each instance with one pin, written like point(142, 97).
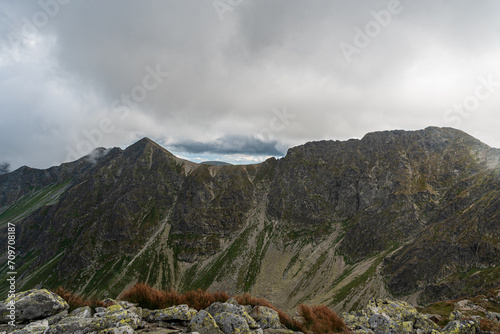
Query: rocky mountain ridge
point(412, 214)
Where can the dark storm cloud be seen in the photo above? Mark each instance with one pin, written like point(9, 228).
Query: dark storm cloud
point(227, 72)
point(230, 144)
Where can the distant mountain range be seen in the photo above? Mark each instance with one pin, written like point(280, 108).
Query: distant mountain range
point(407, 214)
point(215, 163)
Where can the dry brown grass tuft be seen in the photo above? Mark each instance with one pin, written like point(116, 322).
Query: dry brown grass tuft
point(487, 325)
point(321, 319)
point(151, 298)
point(147, 297)
point(74, 301)
point(200, 299)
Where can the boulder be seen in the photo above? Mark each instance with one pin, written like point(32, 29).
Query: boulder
point(37, 327)
point(278, 331)
point(120, 316)
point(218, 308)
point(266, 317)
point(381, 323)
point(56, 318)
point(357, 321)
point(82, 312)
point(78, 325)
point(462, 327)
point(118, 330)
point(233, 301)
point(493, 316)
point(456, 315)
point(204, 323)
point(174, 313)
point(231, 323)
point(389, 316)
point(116, 319)
point(32, 305)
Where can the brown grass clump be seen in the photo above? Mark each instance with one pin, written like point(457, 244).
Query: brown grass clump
point(487, 325)
point(151, 298)
point(74, 301)
point(200, 299)
point(147, 297)
point(321, 319)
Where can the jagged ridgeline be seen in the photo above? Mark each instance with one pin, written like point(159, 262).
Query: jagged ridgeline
point(408, 214)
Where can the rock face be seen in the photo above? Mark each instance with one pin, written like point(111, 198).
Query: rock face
point(402, 213)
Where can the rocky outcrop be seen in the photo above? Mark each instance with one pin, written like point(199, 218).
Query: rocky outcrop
point(380, 316)
point(397, 317)
point(125, 317)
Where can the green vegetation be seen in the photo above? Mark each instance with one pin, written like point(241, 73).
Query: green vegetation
point(357, 281)
point(30, 202)
point(46, 274)
point(221, 264)
point(256, 259)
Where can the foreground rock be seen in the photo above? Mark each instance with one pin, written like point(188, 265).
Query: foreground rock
point(41, 311)
point(398, 317)
point(31, 305)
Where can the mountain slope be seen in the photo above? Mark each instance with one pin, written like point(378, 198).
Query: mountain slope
point(407, 213)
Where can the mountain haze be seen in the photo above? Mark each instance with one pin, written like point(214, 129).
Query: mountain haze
point(412, 214)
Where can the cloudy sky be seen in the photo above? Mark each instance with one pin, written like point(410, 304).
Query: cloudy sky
point(239, 80)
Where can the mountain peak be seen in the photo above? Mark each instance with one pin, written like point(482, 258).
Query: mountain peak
point(146, 143)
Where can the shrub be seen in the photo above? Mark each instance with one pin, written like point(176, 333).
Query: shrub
point(74, 301)
point(321, 319)
point(146, 296)
point(200, 299)
point(151, 298)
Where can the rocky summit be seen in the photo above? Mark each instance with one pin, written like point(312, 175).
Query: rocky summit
point(411, 215)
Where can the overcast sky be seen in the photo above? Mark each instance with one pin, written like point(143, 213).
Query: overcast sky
point(240, 80)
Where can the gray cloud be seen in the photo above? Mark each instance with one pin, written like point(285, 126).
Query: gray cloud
point(64, 78)
point(229, 144)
